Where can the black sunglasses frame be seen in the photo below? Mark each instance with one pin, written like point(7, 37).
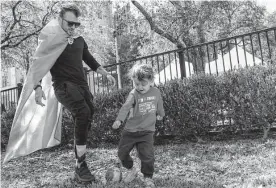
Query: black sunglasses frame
point(70, 24)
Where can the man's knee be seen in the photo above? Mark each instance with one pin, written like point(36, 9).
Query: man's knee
point(84, 112)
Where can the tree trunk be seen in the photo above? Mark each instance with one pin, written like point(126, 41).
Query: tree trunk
point(201, 55)
point(182, 65)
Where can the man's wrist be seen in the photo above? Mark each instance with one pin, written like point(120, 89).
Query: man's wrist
point(37, 86)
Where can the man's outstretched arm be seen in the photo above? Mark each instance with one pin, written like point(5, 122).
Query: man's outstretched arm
point(102, 71)
point(94, 65)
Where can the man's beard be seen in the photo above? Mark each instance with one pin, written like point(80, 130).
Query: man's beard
point(71, 33)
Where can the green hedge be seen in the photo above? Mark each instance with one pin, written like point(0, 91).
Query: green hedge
point(107, 107)
point(193, 106)
point(6, 123)
point(253, 97)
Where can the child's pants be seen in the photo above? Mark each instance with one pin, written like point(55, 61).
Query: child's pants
point(143, 140)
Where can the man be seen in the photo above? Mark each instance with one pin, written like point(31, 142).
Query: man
point(70, 85)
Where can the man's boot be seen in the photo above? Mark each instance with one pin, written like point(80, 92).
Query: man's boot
point(82, 171)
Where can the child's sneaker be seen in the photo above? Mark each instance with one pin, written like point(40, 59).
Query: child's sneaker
point(149, 183)
point(83, 174)
point(130, 175)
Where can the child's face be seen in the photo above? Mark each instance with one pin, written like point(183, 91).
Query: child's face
point(142, 86)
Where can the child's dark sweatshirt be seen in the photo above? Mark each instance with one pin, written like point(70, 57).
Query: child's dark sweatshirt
point(142, 109)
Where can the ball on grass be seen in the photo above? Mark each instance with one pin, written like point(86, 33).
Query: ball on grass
point(113, 174)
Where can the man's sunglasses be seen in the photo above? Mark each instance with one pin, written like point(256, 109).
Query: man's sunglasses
point(70, 23)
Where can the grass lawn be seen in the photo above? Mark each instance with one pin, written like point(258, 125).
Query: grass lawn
point(216, 164)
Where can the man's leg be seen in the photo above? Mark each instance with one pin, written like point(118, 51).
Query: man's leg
point(73, 98)
point(89, 101)
point(80, 144)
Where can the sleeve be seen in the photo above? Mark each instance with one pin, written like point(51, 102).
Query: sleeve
point(126, 108)
point(89, 59)
point(160, 107)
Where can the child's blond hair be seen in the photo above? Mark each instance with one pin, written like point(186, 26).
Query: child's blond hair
point(141, 71)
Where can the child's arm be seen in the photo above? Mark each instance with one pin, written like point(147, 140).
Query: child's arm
point(124, 111)
point(160, 108)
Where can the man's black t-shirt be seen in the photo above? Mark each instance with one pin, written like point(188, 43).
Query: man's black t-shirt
point(68, 66)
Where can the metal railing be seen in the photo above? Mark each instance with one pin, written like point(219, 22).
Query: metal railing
point(10, 97)
point(215, 57)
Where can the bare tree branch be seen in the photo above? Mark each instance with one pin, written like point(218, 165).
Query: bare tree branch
point(177, 5)
point(10, 40)
point(155, 28)
point(30, 23)
point(16, 36)
point(45, 17)
point(15, 21)
point(3, 47)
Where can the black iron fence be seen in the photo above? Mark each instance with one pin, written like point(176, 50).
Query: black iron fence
point(215, 57)
point(10, 97)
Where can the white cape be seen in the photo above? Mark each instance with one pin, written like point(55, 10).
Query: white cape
point(35, 127)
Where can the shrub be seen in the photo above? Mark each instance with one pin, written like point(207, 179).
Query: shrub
point(194, 106)
point(254, 97)
point(107, 107)
point(190, 105)
point(6, 124)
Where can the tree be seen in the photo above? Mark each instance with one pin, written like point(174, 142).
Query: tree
point(97, 28)
point(186, 23)
point(128, 39)
point(271, 20)
point(22, 20)
point(20, 56)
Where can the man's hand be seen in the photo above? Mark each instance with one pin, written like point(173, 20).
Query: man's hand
point(112, 79)
point(39, 94)
point(102, 71)
point(116, 124)
point(159, 117)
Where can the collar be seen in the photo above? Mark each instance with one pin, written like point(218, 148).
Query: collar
point(70, 39)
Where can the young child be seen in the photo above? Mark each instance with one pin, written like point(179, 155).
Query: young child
point(144, 105)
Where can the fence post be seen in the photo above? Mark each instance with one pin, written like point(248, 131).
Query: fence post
point(19, 89)
point(3, 108)
point(182, 64)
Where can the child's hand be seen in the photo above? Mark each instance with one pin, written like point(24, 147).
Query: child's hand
point(159, 117)
point(116, 124)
